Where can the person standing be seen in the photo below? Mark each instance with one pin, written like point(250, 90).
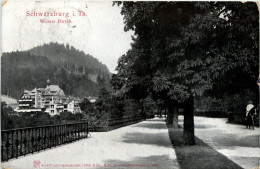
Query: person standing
point(249, 107)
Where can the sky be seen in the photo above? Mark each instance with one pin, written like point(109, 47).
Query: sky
point(100, 33)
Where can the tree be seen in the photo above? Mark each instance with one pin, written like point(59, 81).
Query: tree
point(6, 122)
point(192, 44)
point(149, 54)
point(220, 45)
point(66, 116)
point(103, 102)
point(86, 106)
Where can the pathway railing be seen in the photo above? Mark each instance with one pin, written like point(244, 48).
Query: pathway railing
point(113, 123)
point(19, 142)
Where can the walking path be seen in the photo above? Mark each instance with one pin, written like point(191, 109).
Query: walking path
point(144, 145)
point(237, 143)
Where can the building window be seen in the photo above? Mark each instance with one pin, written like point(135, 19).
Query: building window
point(52, 106)
point(52, 111)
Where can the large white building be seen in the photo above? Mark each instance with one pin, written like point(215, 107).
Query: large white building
point(50, 99)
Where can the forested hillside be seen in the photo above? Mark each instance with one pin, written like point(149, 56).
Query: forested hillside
point(70, 58)
point(77, 73)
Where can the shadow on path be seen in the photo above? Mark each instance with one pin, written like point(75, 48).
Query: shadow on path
point(151, 162)
point(159, 125)
point(222, 137)
point(156, 119)
point(231, 140)
point(146, 138)
point(200, 156)
point(153, 147)
point(149, 137)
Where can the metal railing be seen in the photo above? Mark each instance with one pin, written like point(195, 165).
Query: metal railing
point(113, 123)
point(19, 142)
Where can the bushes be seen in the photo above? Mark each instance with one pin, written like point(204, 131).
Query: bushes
point(236, 118)
point(117, 108)
point(132, 108)
point(232, 105)
point(6, 122)
point(28, 120)
point(149, 106)
point(107, 107)
point(11, 121)
point(239, 118)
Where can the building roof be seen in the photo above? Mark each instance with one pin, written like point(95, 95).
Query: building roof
point(67, 101)
point(70, 99)
point(27, 91)
point(53, 90)
point(41, 89)
point(77, 102)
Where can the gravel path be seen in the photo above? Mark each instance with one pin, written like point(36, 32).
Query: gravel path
point(237, 143)
point(144, 145)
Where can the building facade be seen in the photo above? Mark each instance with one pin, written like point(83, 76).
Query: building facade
point(51, 100)
point(73, 107)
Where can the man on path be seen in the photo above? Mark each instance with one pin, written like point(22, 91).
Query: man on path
point(249, 107)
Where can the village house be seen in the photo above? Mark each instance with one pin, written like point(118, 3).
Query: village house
point(72, 105)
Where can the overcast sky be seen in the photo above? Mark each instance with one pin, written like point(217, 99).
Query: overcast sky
point(100, 33)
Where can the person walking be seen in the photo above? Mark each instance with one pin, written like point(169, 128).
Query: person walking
point(248, 119)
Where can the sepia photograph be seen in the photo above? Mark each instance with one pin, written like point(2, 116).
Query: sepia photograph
point(130, 85)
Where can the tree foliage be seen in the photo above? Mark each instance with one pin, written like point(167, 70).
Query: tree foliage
point(189, 45)
point(183, 49)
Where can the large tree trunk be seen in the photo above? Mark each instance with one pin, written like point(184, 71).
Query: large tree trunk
point(167, 111)
point(170, 112)
point(173, 114)
point(188, 132)
point(175, 117)
point(143, 110)
point(167, 117)
point(160, 111)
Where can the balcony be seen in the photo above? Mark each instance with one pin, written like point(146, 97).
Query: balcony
point(25, 100)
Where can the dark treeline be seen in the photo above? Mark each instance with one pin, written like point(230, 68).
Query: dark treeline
point(11, 121)
point(65, 66)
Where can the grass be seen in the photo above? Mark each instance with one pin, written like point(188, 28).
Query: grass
point(199, 156)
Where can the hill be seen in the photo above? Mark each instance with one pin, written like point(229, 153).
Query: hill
point(77, 73)
point(70, 58)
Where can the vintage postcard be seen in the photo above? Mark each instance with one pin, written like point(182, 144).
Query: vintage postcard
point(130, 85)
